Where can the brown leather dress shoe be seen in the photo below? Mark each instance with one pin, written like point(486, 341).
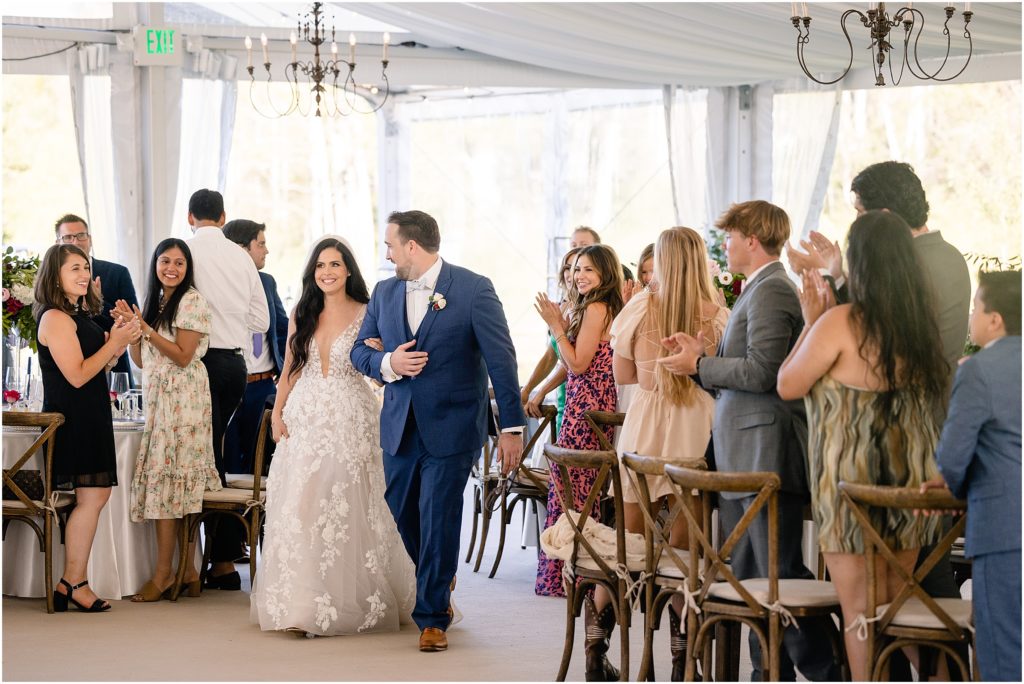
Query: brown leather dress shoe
point(433, 639)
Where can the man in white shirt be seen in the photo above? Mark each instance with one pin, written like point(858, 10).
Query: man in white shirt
point(227, 277)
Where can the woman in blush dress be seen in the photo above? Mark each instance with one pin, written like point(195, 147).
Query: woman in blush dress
point(333, 562)
point(583, 343)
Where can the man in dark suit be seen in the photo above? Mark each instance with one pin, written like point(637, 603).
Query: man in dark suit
point(754, 429)
point(444, 334)
point(264, 357)
point(979, 458)
point(113, 279)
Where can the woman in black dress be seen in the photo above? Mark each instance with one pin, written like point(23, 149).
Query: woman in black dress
point(73, 354)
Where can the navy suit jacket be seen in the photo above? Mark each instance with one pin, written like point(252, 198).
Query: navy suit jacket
point(979, 452)
point(467, 341)
point(277, 333)
point(115, 283)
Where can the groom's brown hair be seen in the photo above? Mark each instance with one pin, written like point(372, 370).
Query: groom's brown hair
point(419, 226)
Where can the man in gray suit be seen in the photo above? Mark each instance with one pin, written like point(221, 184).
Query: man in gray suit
point(754, 429)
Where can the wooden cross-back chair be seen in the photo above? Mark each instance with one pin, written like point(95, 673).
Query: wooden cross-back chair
point(246, 505)
point(26, 509)
point(912, 617)
point(586, 568)
point(765, 605)
point(524, 485)
point(598, 420)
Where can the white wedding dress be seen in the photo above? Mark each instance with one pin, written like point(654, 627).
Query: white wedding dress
point(332, 562)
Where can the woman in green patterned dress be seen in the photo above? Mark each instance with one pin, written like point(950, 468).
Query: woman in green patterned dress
point(551, 358)
point(871, 373)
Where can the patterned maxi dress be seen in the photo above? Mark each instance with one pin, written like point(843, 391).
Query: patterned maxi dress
point(175, 462)
point(592, 390)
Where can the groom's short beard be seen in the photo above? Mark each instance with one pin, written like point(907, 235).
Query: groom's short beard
point(402, 272)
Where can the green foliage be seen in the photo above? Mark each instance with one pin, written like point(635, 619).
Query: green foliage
point(19, 277)
point(728, 283)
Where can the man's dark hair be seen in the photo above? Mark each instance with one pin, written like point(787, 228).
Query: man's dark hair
point(206, 205)
point(1000, 293)
point(243, 231)
point(419, 226)
point(68, 218)
point(894, 186)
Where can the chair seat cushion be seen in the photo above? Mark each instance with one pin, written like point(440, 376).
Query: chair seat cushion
point(229, 495)
point(16, 507)
point(914, 613)
point(796, 593)
point(666, 567)
point(241, 481)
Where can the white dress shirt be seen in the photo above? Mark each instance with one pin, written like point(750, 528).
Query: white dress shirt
point(417, 300)
point(226, 275)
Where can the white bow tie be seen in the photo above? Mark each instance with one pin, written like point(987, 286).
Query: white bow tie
point(413, 285)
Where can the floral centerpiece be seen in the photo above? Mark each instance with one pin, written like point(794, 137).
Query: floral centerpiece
point(729, 283)
point(19, 279)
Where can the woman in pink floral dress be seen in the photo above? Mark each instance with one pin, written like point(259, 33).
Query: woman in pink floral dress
point(175, 462)
point(583, 346)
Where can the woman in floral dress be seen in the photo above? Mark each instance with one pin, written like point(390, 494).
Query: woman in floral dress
point(175, 462)
point(587, 356)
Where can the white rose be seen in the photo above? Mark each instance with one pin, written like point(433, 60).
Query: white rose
point(725, 278)
point(23, 294)
point(441, 303)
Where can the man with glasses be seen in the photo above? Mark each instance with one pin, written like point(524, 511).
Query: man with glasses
point(113, 280)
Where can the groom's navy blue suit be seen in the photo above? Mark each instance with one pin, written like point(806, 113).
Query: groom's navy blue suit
point(433, 425)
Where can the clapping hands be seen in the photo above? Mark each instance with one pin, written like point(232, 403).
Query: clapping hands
point(815, 297)
point(684, 350)
point(550, 312)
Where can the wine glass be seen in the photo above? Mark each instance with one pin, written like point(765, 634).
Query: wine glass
point(12, 387)
point(119, 385)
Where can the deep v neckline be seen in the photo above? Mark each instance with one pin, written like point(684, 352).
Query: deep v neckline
point(326, 375)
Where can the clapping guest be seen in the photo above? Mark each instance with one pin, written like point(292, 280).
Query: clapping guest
point(871, 374)
point(550, 361)
point(73, 354)
point(175, 462)
point(112, 280)
point(583, 343)
point(670, 416)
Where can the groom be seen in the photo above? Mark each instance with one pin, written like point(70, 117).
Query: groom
point(445, 332)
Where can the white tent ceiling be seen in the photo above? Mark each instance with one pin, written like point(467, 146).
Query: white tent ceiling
point(563, 44)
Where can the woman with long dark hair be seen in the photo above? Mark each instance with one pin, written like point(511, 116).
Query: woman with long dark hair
point(333, 562)
point(175, 463)
point(871, 373)
point(73, 353)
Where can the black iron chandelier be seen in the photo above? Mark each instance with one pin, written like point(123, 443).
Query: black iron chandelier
point(314, 83)
point(880, 25)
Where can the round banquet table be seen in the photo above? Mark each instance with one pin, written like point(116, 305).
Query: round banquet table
point(123, 552)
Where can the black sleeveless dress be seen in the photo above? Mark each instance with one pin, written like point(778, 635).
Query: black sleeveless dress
point(84, 453)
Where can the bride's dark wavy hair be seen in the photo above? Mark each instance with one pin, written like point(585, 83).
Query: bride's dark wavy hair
point(311, 302)
point(892, 307)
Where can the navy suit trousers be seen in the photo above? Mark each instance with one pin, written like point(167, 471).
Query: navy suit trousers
point(424, 493)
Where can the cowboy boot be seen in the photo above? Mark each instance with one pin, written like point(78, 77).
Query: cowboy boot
point(677, 645)
point(599, 628)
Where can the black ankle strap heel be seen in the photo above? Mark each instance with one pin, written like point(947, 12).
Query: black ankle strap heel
point(60, 601)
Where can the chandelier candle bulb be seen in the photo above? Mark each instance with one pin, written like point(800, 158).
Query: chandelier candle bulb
point(248, 49)
point(792, 9)
point(334, 50)
point(266, 54)
point(293, 39)
point(387, 39)
point(803, 10)
point(351, 48)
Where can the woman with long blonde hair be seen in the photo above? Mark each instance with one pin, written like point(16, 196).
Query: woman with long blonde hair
point(670, 417)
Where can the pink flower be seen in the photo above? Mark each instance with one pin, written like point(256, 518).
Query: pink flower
point(6, 295)
point(714, 268)
point(11, 396)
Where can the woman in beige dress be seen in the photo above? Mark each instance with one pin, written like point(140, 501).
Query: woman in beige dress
point(670, 416)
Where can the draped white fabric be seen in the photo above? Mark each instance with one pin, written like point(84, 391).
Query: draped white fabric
point(709, 44)
point(90, 104)
point(802, 155)
point(208, 98)
point(686, 114)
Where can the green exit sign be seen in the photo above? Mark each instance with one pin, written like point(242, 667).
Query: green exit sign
point(160, 41)
point(157, 46)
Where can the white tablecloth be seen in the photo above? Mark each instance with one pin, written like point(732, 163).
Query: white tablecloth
point(123, 552)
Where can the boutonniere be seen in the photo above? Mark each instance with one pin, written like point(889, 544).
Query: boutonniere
point(437, 301)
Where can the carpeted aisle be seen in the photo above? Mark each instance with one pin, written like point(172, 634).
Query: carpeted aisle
point(507, 634)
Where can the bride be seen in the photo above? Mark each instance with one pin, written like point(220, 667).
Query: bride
point(333, 562)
